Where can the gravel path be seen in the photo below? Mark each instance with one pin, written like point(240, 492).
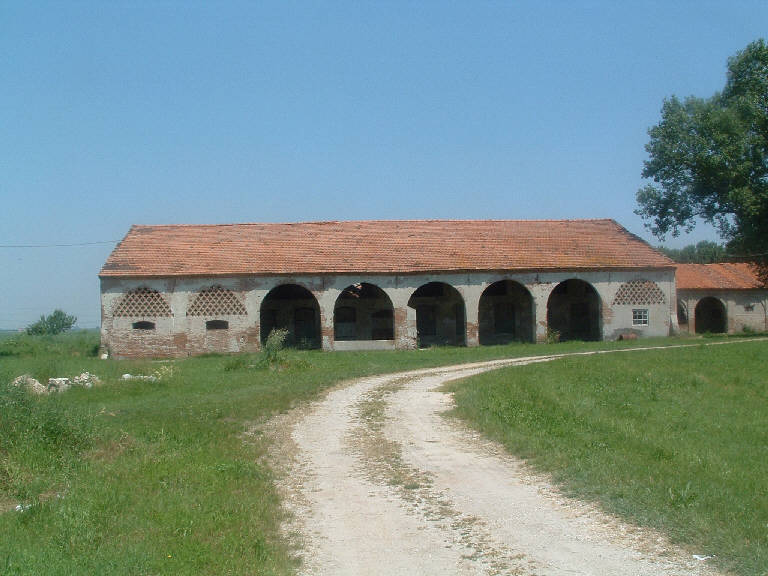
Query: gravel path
point(377, 481)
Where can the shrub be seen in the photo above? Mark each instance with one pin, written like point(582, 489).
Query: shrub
point(54, 323)
point(553, 336)
point(274, 346)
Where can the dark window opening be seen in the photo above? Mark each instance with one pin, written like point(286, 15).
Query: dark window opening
point(143, 325)
point(216, 325)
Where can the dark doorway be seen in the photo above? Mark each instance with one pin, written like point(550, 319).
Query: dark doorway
point(440, 315)
point(295, 309)
point(710, 316)
point(505, 314)
point(363, 312)
point(573, 311)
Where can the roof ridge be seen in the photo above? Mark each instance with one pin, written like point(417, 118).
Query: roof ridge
point(410, 220)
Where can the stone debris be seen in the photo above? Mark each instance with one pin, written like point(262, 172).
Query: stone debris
point(139, 377)
point(30, 384)
point(86, 380)
point(59, 384)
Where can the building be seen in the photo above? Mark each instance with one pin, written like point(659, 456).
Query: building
point(720, 298)
point(189, 289)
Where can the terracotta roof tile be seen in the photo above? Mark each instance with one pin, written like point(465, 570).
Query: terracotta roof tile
point(734, 276)
point(378, 246)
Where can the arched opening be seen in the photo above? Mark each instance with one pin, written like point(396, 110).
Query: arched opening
point(295, 309)
point(363, 312)
point(682, 314)
point(505, 314)
point(440, 315)
point(710, 316)
point(573, 311)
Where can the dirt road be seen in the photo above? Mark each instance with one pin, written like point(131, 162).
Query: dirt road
point(380, 482)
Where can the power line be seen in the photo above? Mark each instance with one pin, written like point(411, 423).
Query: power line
point(58, 245)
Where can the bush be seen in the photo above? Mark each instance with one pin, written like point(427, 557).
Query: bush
point(54, 323)
point(38, 436)
point(274, 346)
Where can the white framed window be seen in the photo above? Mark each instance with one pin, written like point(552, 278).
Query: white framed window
point(640, 317)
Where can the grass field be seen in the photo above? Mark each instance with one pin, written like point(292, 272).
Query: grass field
point(673, 439)
point(138, 477)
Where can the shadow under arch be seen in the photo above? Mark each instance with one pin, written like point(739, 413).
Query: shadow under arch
point(573, 311)
point(710, 316)
point(295, 309)
point(505, 314)
point(440, 315)
point(363, 311)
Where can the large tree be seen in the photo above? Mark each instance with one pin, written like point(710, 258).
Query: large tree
point(708, 160)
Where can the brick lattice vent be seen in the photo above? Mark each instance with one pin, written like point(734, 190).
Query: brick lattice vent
point(216, 301)
point(639, 292)
point(142, 302)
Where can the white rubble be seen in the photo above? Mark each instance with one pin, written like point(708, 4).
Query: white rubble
point(30, 384)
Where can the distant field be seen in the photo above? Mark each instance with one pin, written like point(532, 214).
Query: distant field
point(673, 439)
point(160, 478)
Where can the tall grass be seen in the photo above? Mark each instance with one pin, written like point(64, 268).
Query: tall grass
point(676, 439)
point(167, 477)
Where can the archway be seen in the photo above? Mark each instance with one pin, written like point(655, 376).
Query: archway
point(573, 311)
point(710, 316)
point(295, 309)
point(682, 315)
point(440, 315)
point(363, 312)
point(505, 313)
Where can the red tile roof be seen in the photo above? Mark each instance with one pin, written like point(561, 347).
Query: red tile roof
point(378, 246)
point(736, 276)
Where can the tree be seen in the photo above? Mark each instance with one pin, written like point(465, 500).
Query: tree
point(54, 323)
point(704, 252)
point(708, 159)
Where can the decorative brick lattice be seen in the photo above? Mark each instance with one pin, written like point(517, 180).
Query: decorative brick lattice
point(142, 302)
point(639, 293)
point(216, 301)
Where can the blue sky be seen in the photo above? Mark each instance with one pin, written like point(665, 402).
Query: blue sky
point(183, 112)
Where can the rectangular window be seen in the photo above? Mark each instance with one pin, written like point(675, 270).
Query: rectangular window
point(640, 317)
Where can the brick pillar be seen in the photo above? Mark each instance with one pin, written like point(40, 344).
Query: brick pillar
point(540, 293)
point(405, 327)
point(472, 324)
point(326, 322)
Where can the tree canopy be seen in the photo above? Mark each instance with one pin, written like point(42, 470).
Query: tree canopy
point(54, 323)
point(704, 252)
point(708, 160)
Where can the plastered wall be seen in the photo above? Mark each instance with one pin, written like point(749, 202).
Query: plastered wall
point(182, 335)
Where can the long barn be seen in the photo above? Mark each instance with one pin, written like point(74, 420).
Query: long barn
point(181, 290)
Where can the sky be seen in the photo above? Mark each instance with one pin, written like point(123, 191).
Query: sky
point(120, 113)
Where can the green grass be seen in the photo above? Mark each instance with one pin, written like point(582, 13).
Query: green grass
point(672, 439)
point(159, 478)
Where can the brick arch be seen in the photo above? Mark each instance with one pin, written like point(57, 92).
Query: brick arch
point(441, 315)
point(295, 308)
point(142, 302)
point(363, 311)
point(506, 313)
